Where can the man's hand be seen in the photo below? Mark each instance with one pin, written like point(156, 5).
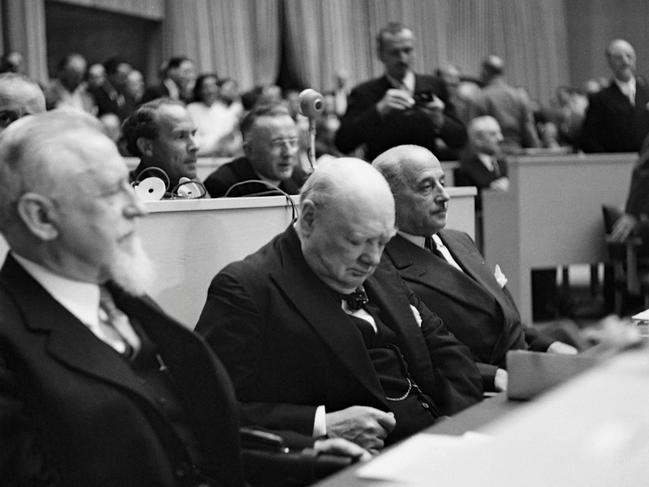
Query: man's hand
point(563, 348)
point(394, 101)
point(500, 184)
point(623, 228)
point(500, 380)
point(342, 447)
point(435, 111)
point(365, 426)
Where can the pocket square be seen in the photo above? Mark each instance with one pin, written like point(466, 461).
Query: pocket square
point(500, 277)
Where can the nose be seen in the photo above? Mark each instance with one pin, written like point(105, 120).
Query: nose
point(289, 148)
point(134, 207)
point(441, 195)
point(372, 254)
point(192, 145)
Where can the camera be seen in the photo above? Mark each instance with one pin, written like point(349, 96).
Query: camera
point(423, 98)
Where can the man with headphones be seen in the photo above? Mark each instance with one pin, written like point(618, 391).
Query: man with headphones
point(270, 165)
point(162, 134)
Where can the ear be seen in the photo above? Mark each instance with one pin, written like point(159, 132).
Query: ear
point(307, 217)
point(39, 215)
point(145, 146)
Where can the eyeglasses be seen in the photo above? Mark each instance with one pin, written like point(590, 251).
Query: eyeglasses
point(291, 142)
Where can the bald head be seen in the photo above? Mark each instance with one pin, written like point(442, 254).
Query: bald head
point(346, 219)
point(417, 181)
point(621, 59)
point(492, 67)
point(19, 96)
point(485, 135)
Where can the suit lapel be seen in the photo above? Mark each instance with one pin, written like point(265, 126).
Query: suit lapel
point(323, 313)
point(418, 265)
point(474, 264)
point(397, 314)
point(70, 341)
point(203, 385)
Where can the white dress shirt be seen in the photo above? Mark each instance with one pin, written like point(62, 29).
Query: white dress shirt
point(79, 298)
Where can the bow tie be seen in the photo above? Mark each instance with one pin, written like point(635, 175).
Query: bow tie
point(355, 300)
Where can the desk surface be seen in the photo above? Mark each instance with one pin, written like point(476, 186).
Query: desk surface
point(474, 418)
point(592, 431)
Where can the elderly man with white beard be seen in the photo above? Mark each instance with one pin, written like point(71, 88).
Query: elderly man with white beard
point(97, 385)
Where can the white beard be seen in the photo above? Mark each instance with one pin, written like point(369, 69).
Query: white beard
point(132, 269)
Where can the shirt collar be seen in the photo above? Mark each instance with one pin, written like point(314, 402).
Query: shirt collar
point(626, 87)
point(79, 298)
point(408, 81)
point(486, 160)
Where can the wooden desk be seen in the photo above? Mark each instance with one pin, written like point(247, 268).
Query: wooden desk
point(190, 241)
point(552, 215)
point(592, 431)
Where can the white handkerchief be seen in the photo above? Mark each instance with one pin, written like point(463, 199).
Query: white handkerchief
point(500, 277)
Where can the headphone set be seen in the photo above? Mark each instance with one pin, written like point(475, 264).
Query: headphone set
point(155, 186)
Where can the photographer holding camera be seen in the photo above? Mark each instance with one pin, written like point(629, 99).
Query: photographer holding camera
point(400, 107)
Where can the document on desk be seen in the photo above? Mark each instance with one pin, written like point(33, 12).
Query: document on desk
point(421, 457)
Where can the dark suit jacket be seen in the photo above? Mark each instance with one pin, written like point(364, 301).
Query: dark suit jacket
point(239, 170)
point(473, 306)
point(362, 124)
point(108, 100)
point(612, 124)
point(73, 413)
point(472, 172)
point(154, 91)
point(289, 346)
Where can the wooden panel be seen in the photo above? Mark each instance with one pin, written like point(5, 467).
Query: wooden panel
point(190, 241)
point(552, 215)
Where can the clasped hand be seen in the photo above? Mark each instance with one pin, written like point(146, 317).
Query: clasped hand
point(363, 425)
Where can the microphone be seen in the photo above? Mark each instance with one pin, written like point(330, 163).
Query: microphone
point(311, 105)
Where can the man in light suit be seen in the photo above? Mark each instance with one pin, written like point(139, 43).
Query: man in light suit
point(322, 339)
point(400, 107)
point(617, 118)
point(445, 268)
point(98, 386)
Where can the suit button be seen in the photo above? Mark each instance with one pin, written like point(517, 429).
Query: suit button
point(180, 473)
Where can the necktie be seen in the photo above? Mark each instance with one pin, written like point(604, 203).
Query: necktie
point(115, 325)
point(496, 166)
point(429, 243)
point(355, 300)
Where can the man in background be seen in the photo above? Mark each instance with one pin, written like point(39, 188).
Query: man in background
point(400, 107)
point(69, 88)
point(617, 118)
point(177, 83)
point(510, 106)
point(481, 163)
point(19, 96)
point(270, 161)
point(161, 133)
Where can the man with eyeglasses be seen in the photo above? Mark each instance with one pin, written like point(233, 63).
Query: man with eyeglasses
point(270, 164)
point(162, 134)
point(19, 96)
